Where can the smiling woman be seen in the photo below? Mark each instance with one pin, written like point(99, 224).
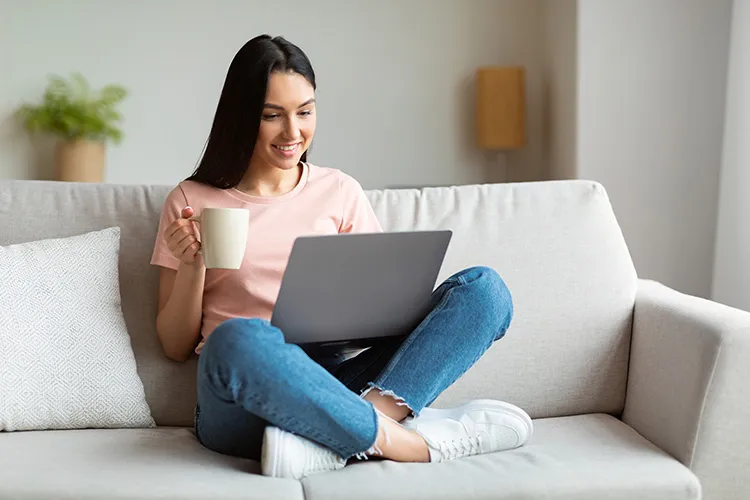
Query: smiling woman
point(260, 397)
point(285, 132)
point(272, 78)
point(274, 112)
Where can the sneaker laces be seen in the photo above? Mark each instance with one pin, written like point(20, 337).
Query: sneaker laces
point(459, 448)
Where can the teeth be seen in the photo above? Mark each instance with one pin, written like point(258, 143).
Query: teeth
point(287, 148)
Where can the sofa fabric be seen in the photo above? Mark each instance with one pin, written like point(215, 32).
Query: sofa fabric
point(556, 244)
point(563, 256)
point(163, 463)
point(589, 457)
point(637, 391)
point(688, 390)
point(80, 208)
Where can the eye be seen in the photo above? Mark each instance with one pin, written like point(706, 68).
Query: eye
point(306, 112)
point(270, 116)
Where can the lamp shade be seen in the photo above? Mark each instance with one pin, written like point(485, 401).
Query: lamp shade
point(500, 107)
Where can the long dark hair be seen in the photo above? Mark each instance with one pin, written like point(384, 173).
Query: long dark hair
point(230, 144)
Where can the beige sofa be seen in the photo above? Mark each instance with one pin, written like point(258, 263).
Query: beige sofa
point(637, 391)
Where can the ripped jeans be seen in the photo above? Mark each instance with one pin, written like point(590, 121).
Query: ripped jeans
point(248, 377)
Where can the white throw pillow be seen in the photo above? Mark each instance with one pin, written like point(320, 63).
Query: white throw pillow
point(65, 356)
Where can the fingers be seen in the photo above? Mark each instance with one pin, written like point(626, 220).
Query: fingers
point(180, 241)
point(178, 225)
point(185, 214)
point(190, 251)
point(185, 245)
point(182, 236)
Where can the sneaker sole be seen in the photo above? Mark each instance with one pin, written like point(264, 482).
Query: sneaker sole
point(269, 463)
point(482, 404)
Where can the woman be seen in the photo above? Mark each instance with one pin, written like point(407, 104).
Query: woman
point(261, 398)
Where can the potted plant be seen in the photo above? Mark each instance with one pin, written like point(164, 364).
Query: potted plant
point(82, 119)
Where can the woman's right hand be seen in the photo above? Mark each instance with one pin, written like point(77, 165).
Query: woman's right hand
point(182, 237)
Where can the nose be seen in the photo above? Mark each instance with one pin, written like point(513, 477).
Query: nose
point(291, 129)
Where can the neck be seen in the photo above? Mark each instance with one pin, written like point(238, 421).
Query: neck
point(268, 181)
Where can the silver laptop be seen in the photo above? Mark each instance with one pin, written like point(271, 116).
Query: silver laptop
point(356, 288)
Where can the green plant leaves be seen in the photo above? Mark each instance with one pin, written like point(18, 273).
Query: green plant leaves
point(72, 110)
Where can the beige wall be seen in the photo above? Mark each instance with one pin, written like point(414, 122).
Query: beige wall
point(651, 87)
point(731, 283)
point(628, 93)
point(559, 87)
point(395, 79)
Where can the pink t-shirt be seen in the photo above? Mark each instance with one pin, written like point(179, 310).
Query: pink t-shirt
point(325, 201)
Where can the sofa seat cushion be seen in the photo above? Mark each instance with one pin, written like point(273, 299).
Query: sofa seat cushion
point(163, 463)
point(594, 457)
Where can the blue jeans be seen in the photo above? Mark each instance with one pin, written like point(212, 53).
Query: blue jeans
point(248, 377)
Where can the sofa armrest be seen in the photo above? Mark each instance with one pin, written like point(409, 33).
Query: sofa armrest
point(689, 385)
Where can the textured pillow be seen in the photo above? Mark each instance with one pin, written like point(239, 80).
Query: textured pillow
point(65, 356)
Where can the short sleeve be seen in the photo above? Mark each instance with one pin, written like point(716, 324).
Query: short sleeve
point(358, 215)
point(171, 211)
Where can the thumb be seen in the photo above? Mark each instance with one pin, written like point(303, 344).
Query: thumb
point(187, 212)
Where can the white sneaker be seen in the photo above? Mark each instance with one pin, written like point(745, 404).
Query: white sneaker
point(287, 455)
point(477, 427)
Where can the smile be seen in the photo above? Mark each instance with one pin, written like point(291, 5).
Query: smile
point(291, 147)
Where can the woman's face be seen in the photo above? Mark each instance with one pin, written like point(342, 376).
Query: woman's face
point(287, 125)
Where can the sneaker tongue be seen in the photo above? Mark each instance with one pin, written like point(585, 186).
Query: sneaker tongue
point(442, 429)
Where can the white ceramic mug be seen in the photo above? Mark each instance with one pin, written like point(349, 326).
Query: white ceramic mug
point(223, 236)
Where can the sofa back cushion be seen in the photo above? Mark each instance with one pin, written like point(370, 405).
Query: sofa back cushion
point(562, 254)
point(556, 244)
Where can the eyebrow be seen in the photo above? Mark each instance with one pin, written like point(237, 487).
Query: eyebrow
point(276, 106)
